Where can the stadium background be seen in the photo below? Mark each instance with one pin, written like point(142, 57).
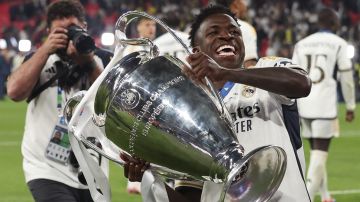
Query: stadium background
point(279, 24)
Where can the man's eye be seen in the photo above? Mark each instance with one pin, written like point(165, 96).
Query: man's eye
point(211, 33)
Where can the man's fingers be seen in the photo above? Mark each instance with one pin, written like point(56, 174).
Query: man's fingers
point(59, 36)
point(202, 68)
point(188, 72)
point(126, 170)
point(195, 56)
point(196, 60)
point(60, 41)
point(131, 172)
point(135, 173)
point(124, 157)
point(145, 167)
point(202, 73)
point(59, 30)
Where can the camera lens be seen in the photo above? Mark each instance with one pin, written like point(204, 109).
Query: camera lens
point(82, 40)
point(84, 43)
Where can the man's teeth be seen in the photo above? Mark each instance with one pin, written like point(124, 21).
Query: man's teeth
point(222, 53)
point(224, 47)
point(226, 50)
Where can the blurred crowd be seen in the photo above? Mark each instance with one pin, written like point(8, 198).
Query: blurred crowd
point(279, 23)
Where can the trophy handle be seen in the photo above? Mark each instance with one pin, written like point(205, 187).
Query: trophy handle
point(68, 112)
point(120, 30)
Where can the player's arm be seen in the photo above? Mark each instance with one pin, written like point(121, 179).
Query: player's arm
point(290, 82)
point(23, 80)
point(346, 81)
point(348, 91)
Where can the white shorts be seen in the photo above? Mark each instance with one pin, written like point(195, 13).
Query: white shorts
point(320, 128)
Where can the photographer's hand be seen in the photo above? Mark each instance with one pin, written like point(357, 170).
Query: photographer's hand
point(56, 40)
point(21, 82)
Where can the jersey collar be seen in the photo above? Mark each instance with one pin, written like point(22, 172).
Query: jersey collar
point(226, 89)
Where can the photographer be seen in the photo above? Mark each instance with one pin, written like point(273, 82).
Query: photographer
point(66, 63)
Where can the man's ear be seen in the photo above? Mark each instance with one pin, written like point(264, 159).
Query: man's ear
point(196, 49)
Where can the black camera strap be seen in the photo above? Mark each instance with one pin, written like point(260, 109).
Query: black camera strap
point(39, 89)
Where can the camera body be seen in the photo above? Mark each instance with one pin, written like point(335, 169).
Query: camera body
point(82, 41)
point(69, 73)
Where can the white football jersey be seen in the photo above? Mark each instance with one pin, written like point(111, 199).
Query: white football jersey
point(168, 45)
point(250, 40)
point(323, 54)
point(264, 118)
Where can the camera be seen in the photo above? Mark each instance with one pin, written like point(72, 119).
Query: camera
point(97, 157)
point(83, 42)
point(69, 73)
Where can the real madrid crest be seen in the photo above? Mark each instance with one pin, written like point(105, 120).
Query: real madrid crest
point(130, 98)
point(248, 91)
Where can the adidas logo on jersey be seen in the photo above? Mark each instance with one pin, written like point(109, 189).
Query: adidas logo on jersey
point(51, 70)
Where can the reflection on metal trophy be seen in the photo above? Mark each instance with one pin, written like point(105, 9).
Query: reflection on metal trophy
point(152, 111)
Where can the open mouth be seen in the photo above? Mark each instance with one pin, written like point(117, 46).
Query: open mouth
point(226, 50)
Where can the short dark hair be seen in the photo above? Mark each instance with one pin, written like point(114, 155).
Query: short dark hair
point(205, 13)
point(63, 9)
point(225, 3)
point(172, 19)
point(328, 19)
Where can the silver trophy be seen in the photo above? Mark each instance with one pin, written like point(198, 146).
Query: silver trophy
point(151, 110)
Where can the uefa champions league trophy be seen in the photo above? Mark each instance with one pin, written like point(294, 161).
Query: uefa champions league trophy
point(147, 107)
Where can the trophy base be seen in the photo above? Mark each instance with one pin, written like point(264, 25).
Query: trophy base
point(257, 176)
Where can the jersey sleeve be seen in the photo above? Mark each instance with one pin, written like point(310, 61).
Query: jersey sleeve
point(346, 76)
point(348, 89)
point(272, 61)
point(343, 61)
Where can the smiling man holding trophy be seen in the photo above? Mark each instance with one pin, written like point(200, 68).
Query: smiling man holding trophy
point(145, 107)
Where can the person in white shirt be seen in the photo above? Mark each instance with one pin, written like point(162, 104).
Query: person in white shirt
point(146, 28)
point(261, 100)
point(51, 172)
point(324, 56)
point(239, 8)
point(166, 43)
